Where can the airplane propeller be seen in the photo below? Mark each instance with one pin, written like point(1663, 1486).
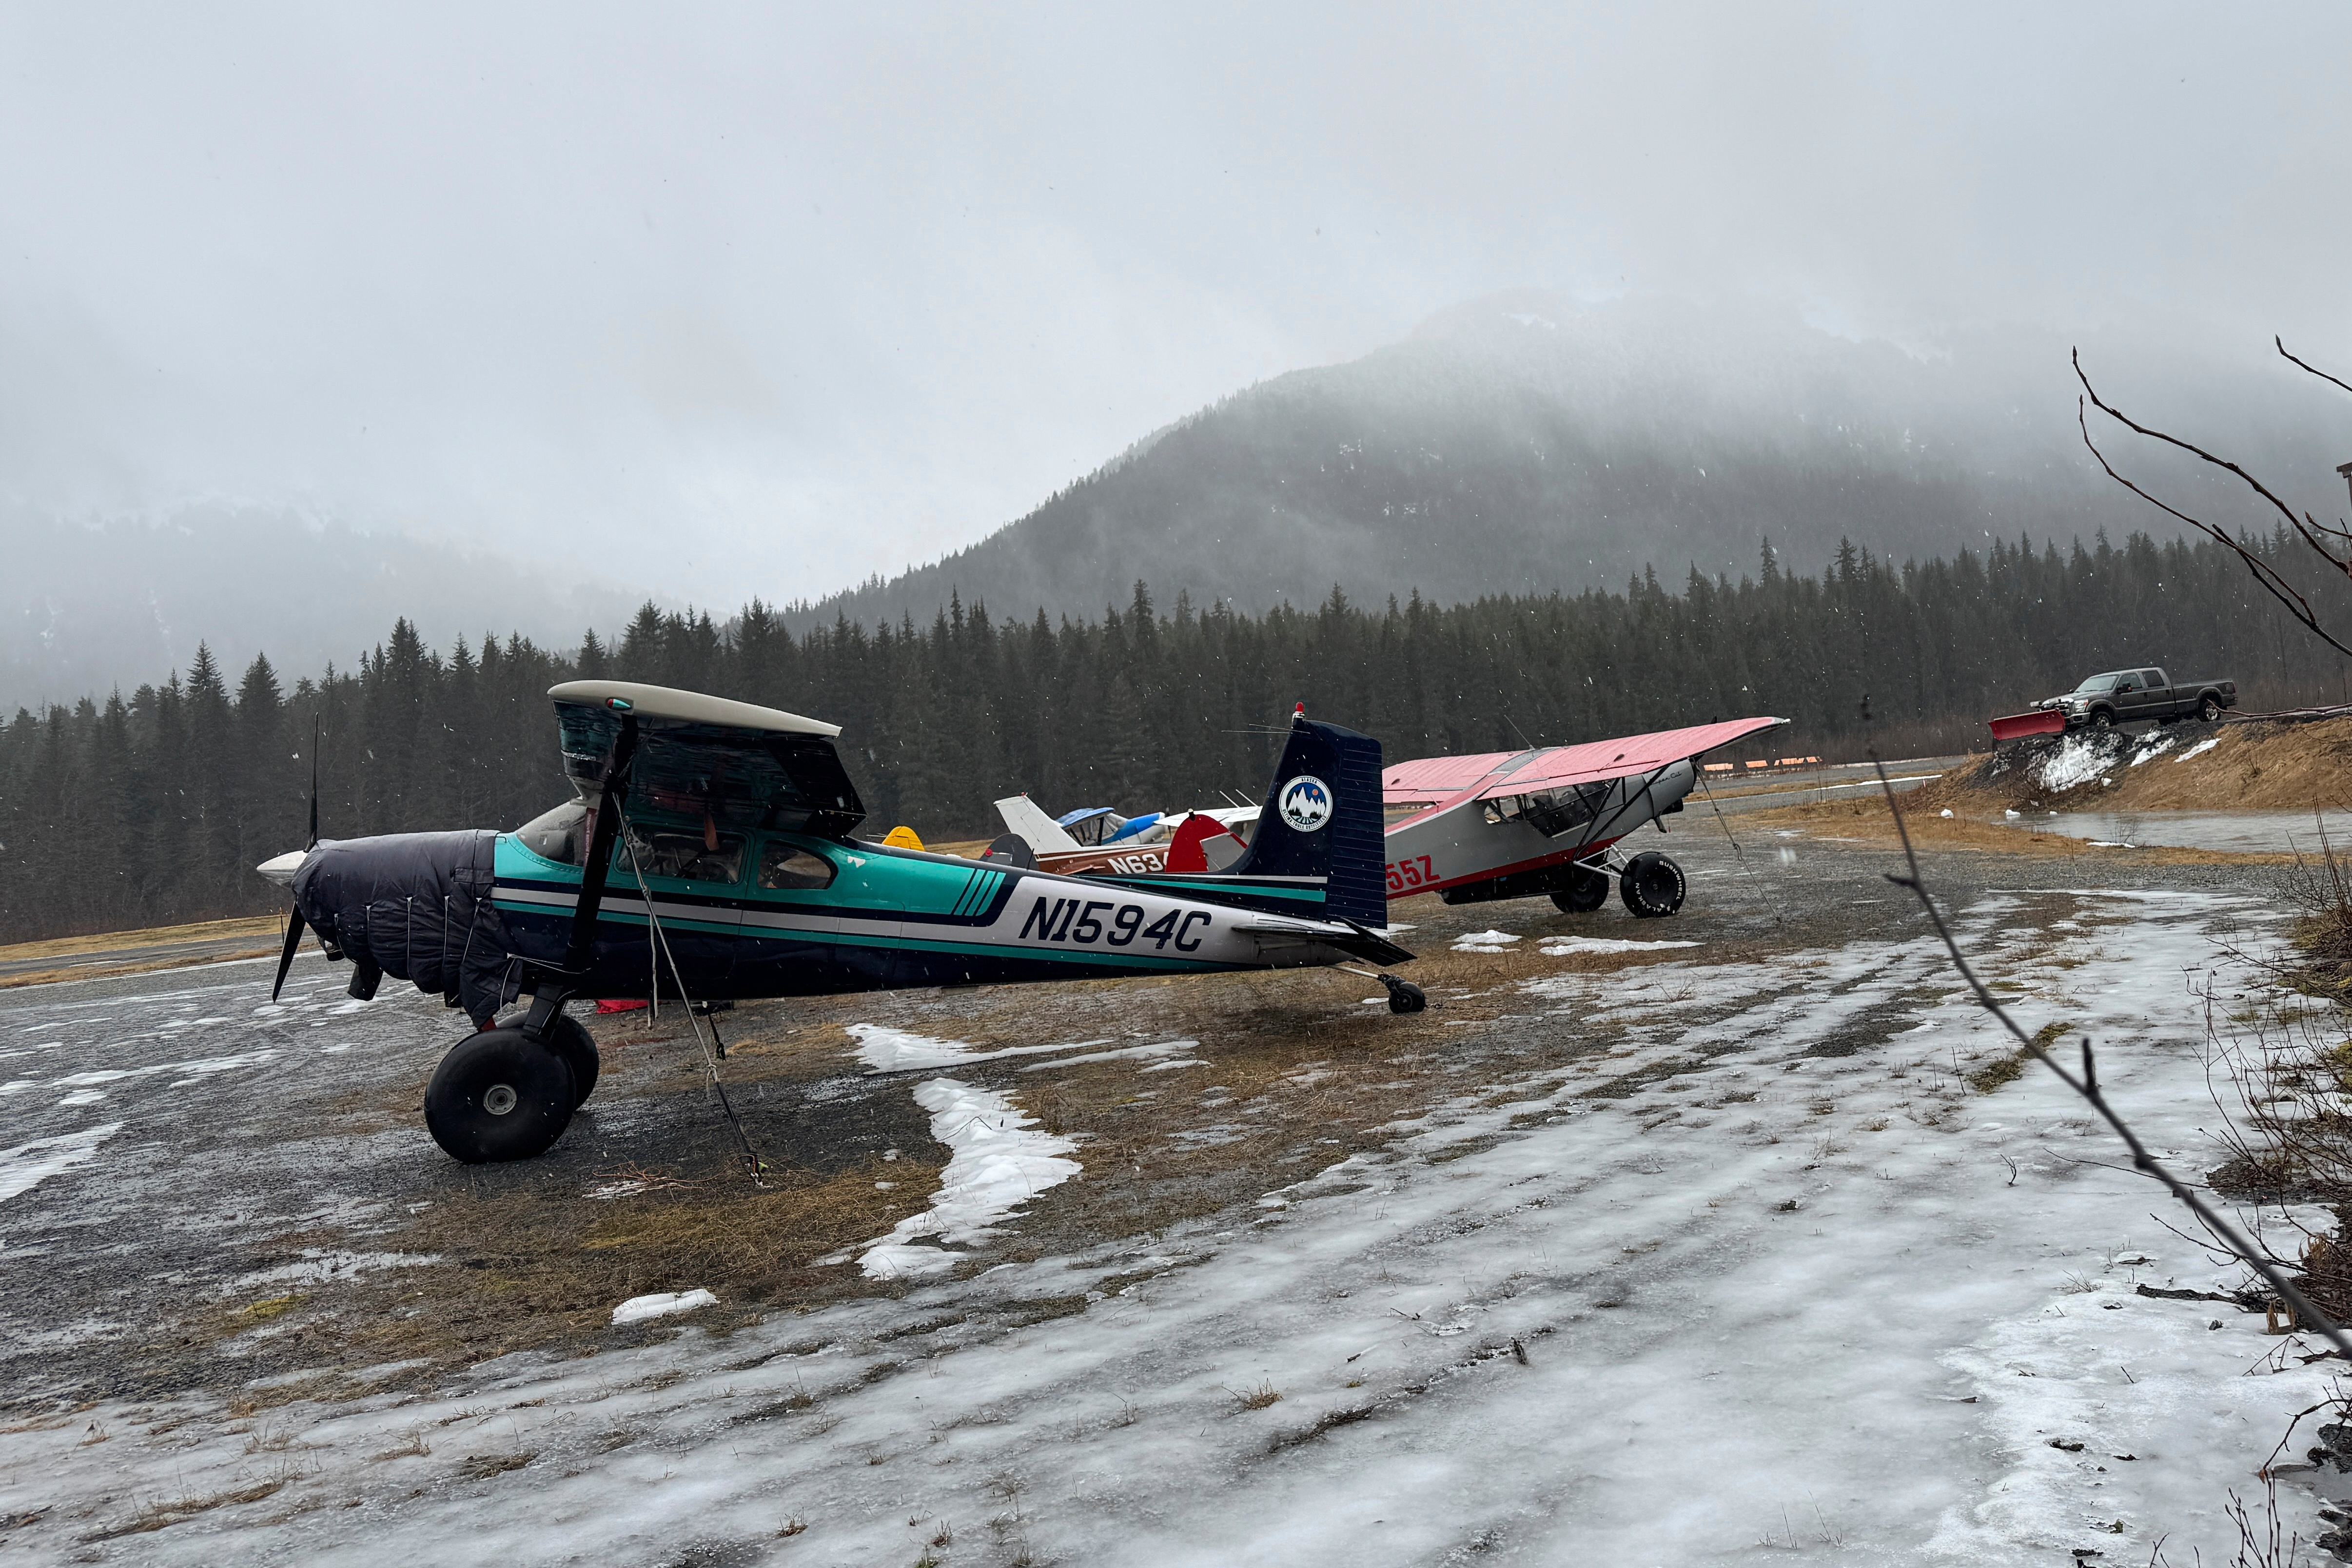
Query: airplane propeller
point(294, 917)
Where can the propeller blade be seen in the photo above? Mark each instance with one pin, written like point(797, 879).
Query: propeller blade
point(286, 957)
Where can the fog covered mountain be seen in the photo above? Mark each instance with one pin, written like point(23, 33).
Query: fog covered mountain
point(1528, 443)
point(84, 609)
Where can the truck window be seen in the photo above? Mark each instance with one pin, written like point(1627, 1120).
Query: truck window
point(2151, 678)
point(785, 866)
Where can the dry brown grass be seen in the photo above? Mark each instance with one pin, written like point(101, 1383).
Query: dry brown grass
point(154, 936)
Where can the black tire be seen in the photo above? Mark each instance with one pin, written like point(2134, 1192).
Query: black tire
point(1404, 996)
point(2209, 709)
point(2101, 719)
point(569, 1039)
point(1652, 885)
point(1586, 894)
point(499, 1095)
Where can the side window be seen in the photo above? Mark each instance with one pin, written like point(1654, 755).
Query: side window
point(2151, 678)
point(660, 852)
point(785, 866)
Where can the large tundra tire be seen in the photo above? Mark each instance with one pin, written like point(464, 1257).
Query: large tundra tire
point(1652, 885)
point(499, 1095)
point(569, 1039)
point(2209, 709)
point(1586, 893)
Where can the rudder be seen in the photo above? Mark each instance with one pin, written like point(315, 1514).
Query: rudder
point(1322, 818)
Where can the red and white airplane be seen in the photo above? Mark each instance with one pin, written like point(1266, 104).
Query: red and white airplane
point(1514, 825)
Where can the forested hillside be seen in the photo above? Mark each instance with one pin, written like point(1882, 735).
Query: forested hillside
point(152, 808)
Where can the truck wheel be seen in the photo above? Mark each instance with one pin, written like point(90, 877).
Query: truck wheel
point(499, 1095)
point(2209, 709)
point(2101, 719)
point(1652, 885)
point(1586, 893)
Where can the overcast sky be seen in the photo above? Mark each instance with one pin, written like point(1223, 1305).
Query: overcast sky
point(716, 302)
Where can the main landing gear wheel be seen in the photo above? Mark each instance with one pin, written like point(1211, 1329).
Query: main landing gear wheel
point(1652, 885)
point(1586, 894)
point(500, 1095)
point(568, 1037)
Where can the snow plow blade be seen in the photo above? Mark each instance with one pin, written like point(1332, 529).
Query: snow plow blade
point(2046, 721)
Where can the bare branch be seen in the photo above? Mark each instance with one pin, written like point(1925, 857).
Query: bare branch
point(2087, 1086)
point(2300, 365)
point(2303, 525)
point(2269, 577)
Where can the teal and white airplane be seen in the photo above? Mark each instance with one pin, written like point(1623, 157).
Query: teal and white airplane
point(709, 855)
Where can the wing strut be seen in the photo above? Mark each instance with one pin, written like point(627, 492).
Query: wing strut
point(581, 951)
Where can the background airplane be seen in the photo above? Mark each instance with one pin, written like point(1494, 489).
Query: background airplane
point(1548, 820)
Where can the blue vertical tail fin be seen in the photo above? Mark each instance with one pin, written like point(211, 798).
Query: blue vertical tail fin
point(1322, 819)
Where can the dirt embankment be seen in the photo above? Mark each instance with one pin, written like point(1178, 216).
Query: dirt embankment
point(2264, 766)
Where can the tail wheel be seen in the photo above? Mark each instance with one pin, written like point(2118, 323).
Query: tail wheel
point(1586, 892)
point(1404, 996)
point(2210, 709)
point(500, 1095)
point(1652, 885)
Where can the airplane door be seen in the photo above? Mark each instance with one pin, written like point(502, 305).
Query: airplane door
point(821, 916)
point(696, 881)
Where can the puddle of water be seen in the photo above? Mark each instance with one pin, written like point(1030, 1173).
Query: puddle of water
point(2230, 832)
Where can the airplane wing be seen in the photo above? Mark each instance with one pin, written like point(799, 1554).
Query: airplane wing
point(739, 764)
point(1493, 774)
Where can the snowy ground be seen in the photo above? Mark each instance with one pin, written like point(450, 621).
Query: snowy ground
point(1764, 1276)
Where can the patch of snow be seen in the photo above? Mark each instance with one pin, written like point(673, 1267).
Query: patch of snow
point(998, 1162)
point(28, 1165)
point(1485, 942)
point(2154, 749)
point(661, 1304)
point(884, 1050)
point(2198, 750)
point(83, 1097)
point(1561, 946)
point(2078, 760)
point(1125, 1053)
point(316, 1266)
point(1946, 811)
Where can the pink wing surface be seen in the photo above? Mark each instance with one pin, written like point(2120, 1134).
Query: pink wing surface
point(1492, 773)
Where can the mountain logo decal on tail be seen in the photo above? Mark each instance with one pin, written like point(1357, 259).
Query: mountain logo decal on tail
point(1305, 803)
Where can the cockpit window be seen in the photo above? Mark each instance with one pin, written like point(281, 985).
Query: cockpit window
point(688, 856)
point(788, 866)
